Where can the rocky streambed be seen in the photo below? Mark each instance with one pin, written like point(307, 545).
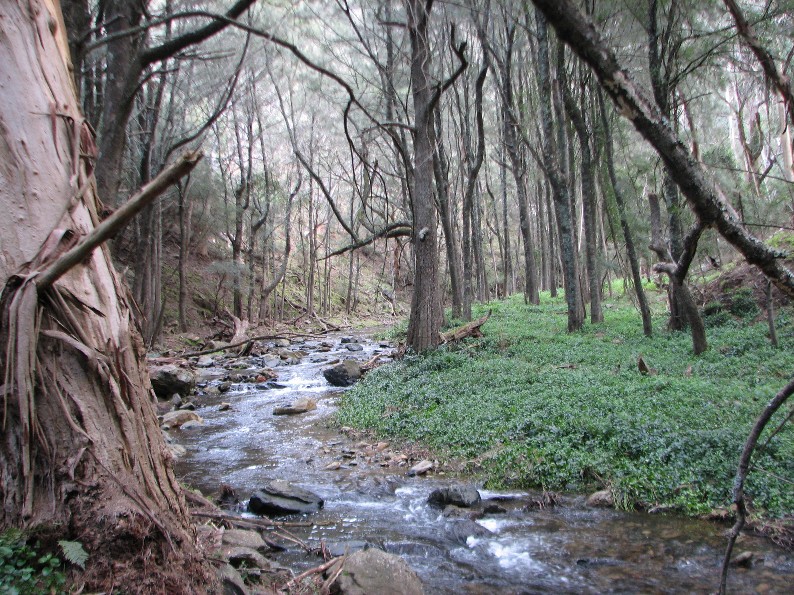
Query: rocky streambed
point(264, 423)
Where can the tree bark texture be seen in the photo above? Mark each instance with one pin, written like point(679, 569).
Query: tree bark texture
point(705, 198)
point(81, 447)
point(631, 252)
point(559, 188)
point(518, 167)
point(426, 314)
point(589, 198)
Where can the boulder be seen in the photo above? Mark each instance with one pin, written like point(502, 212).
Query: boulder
point(238, 556)
point(170, 379)
point(372, 571)
point(282, 343)
point(231, 581)
point(461, 529)
point(464, 496)
point(302, 405)
point(343, 374)
point(601, 499)
point(176, 419)
point(354, 347)
point(279, 497)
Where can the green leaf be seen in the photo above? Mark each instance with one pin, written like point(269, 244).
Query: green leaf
point(73, 551)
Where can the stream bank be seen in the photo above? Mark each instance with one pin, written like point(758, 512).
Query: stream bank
point(516, 542)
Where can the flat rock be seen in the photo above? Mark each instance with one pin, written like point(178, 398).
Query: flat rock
point(341, 548)
point(243, 538)
point(344, 374)
point(354, 347)
point(302, 405)
point(176, 419)
point(374, 572)
point(420, 468)
point(279, 497)
point(205, 361)
point(464, 496)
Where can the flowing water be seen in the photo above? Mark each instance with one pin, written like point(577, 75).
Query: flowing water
point(518, 548)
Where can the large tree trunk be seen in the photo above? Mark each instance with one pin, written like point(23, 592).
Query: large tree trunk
point(82, 453)
point(426, 314)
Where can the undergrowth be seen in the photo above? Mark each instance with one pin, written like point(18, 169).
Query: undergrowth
point(537, 407)
point(24, 570)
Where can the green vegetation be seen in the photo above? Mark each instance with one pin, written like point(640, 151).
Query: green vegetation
point(538, 407)
point(26, 571)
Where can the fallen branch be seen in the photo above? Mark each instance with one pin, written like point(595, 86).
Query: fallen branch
point(470, 329)
point(741, 475)
point(251, 340)
point(316, 570)
point(113, 224)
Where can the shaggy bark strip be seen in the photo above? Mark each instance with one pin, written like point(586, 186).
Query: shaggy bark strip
point(81, 451)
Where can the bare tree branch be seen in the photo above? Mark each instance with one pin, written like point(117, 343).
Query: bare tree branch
point(113, 224)
point(704, 197)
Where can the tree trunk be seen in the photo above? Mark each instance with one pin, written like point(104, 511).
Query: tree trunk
point(518, 167)
point(631, 252)
point(426, 314)
point(558, 186)
point(82, 453)
point(588, 200)
point(441, 175)
point(185, 229)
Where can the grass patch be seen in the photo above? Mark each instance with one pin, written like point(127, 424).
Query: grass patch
point(558, 411)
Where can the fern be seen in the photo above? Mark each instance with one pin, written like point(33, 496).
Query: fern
point(73, 551)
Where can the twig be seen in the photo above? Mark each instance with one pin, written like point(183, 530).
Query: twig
point(316, 570)
point(113, 224)
point(741, 475)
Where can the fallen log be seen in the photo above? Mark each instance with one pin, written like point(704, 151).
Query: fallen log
point(470, 329)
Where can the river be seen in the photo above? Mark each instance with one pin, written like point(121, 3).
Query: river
point(518, 548)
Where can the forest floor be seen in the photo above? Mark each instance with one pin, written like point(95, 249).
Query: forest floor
point(529, 405)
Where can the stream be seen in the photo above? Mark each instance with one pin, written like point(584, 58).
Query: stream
point(517, 548)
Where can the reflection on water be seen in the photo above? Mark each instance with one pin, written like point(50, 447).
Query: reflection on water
point(563, 549)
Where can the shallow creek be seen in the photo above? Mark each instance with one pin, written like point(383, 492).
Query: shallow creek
point(568, 548)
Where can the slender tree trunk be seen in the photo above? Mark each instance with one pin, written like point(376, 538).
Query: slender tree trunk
point(631, 252)
point(588, 200)
point(559, 188)
point(518, 167)
point(185, 227)
point(83, 457)
point(441, 175)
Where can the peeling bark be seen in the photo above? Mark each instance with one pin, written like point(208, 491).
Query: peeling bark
point(81, 448)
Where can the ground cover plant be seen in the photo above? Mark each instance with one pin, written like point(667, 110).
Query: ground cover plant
point(536, 407)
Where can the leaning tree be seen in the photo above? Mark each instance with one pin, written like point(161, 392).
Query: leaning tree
point(82, 454)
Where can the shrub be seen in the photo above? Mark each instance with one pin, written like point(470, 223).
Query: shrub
point(24, 570)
